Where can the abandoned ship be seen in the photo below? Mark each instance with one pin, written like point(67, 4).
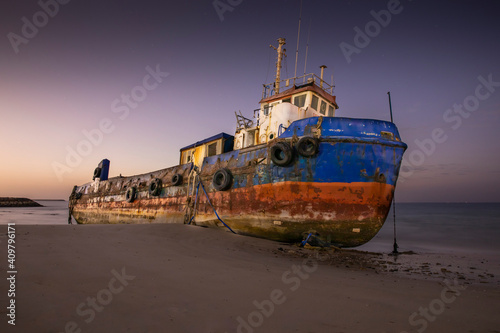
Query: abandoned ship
point(295, 169)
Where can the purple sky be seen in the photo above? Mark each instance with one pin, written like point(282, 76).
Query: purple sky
point(69, 76)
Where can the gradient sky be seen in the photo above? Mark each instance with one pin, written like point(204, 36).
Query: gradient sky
point(65, 78)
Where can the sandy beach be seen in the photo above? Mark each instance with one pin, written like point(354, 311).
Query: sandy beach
point(179, 278)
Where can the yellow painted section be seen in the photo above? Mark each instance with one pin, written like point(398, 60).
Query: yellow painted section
point(199, 155)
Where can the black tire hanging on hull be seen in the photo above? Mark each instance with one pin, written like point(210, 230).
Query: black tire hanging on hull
point(307, 146)
point(155, 187)
point(281, 153)
point(222, 180)
point(176, 179)
point(97, 173)
point(130, 195)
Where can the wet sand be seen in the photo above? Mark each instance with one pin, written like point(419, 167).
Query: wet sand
point(179, 278)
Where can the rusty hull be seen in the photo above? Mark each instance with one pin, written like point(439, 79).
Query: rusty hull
point(105, 202)
point(343, 194)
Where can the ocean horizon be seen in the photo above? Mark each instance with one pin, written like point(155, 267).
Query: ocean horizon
point(444, 227)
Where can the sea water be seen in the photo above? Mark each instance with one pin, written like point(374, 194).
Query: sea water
point(52, 212)
point(441, 227)
point(420, 227)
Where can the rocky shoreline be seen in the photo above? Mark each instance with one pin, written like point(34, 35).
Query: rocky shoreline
point(18, 202)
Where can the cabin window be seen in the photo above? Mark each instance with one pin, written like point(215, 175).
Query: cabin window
point(266, 110)
point(189, 156)
point(212, 149)
point(314, 102)
point(331, 110)
point(288, 100)
point(323, 107)
point(300, 100)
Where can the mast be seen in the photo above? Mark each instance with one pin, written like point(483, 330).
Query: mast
point(298, 38)
point(281, 54)
point(307, 50)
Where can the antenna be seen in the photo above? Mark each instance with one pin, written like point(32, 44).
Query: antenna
point(298, 38)
point(331, 90)
point(307, 49)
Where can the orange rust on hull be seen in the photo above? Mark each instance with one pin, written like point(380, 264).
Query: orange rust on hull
point(301, 198)
point(346, 214)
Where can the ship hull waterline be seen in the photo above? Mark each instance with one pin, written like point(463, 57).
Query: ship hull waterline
point(346, 215)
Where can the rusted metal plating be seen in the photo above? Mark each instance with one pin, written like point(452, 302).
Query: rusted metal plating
point(343, 193)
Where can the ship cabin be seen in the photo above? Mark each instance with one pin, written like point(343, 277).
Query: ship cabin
point(214, 145)
point(312, 97)
point(304, 97)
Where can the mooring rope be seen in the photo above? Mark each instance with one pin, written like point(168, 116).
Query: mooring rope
point(197, 176)
point(208, 199)
point(195, 203)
